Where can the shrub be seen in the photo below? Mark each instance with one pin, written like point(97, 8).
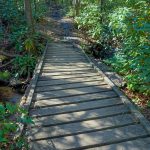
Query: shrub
point(125, 25)
point(25, 65)
point(10, 117)
point(5, 75)
point(90, 20)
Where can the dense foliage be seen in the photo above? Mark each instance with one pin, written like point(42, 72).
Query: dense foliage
point(10, 117)
point(93, 25)
point(15, 36)
point(123, 27)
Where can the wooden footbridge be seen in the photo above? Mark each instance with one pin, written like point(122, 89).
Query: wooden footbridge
point(75, 106)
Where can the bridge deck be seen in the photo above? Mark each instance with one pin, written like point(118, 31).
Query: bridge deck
point(73, 107)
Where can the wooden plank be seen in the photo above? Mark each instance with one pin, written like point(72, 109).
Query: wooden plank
point(137, 144)
point(66, 67)
point(80, 127)
point(86, 140)
point(63, 45)
point(65, 56)
point(75, 99)
point(50, 81)
point(64, 59)
point(68, 86)
point(80, 116)
point(79, 73)
point(75, 107)
point(63, 69)
point(53, 64)
point(66, 64)
point(67, 76)
point(71, 92)
point(61, 51)
point(87, 71)
point(64, 52)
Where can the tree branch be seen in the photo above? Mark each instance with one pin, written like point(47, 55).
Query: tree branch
point(8, 55)
point(6, 64)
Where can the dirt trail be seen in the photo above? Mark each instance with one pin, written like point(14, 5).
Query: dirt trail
point(57, 26)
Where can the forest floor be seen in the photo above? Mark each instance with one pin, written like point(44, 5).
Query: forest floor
point(59, 27)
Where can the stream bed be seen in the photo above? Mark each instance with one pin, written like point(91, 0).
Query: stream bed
point(7, 94)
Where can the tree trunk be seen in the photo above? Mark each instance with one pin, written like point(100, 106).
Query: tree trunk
point(101, 4)
point(35, 6)
point(28, 13)
point(76, 5)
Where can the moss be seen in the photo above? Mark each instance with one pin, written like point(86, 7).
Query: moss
point(5, 75)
